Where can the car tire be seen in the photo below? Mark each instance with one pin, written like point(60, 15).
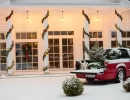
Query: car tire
point(90, 79)
point(120, 75)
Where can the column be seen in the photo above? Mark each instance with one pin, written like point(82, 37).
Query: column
point(86, 33)
point(45, 42)
point(9, 44)
point(118, 27)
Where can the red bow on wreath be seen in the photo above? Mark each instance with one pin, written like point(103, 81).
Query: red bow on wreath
point(26, 48)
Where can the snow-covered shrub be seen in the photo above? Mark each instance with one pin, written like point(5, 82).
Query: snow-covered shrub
point(72, 86)
point(95, 65)
point(126, 85)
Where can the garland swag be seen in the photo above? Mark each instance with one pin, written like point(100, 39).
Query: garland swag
point(46, 16)
point(86, 16)
point(46, 53)
point(86, 33)
point(10, 67)
point(44, 31)
point(8, 17)
point(10, 30)
point(9, 49)
point(119, 28)
point(118, 15)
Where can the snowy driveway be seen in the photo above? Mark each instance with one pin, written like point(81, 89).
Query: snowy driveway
point(50, 88)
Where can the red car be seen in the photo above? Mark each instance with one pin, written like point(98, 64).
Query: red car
point(117, 69)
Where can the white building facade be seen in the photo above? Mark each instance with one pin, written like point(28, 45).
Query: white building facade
point(65, 38)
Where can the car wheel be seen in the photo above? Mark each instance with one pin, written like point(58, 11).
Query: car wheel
point(90, 79)
point(120, 75)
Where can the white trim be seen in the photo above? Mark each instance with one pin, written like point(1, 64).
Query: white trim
point(121, 65)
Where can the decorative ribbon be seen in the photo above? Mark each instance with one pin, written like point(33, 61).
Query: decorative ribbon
point(86, 16)
point(9, 67)
point(46, 67)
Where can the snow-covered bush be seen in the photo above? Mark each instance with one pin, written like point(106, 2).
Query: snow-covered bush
point(72, 87)
point(95, 65)
point(126, 85)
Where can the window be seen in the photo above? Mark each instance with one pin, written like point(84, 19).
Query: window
point(2, 56)
point(113, 34)
point(2, 36)
point(95, 34)
point(26, 35)
point(125, 38)
point(60, 32)
point(21, 63)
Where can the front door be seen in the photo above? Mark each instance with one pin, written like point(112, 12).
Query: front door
point(61, 54)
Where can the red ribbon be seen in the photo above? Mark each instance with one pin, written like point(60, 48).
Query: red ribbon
point(26, 56)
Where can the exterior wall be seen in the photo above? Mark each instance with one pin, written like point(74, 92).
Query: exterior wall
point(74, 21)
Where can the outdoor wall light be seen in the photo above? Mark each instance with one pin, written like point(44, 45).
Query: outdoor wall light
point(62, 17)
point(97, 16)
point(27, 17)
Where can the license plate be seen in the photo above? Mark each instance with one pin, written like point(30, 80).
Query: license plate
point(90, 76)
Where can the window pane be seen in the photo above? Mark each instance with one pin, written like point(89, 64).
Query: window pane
point(23, 35)
point(56, 41)
point(90, 34)
point(70, 32)
point(113, 44)
point(70, 49)
point(99, 34)
point(34, 35)
point(113, 34)
point(124, 34)
point(50, 42)
point(17, 35)
point(70, 41)
point(56, 49)
point(64, 41)
point(128, 43)
point(124, 43)
point(64, 49)
point(35, 59)
point(29, 35)
point(65, 64)
point(63, 32)
point(3, 67)
point(71, 64)
point(100, 43)
point(56, 32)
point(94, 34)
point(35, 52)
point(34, 44)
point(50, 32)
point(57, 64)
point(18, 46)
point(128, 34)
point(18, 59)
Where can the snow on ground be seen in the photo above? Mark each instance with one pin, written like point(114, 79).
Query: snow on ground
point(50, 88)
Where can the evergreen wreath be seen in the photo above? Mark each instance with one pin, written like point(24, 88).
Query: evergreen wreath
point(26, 49)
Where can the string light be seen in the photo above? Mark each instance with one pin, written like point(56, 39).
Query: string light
point(62, 17)
point(97, 17)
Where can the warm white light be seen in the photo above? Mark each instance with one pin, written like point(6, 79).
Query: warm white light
point(62, 19)
point(97, 19)
point(27, 20)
